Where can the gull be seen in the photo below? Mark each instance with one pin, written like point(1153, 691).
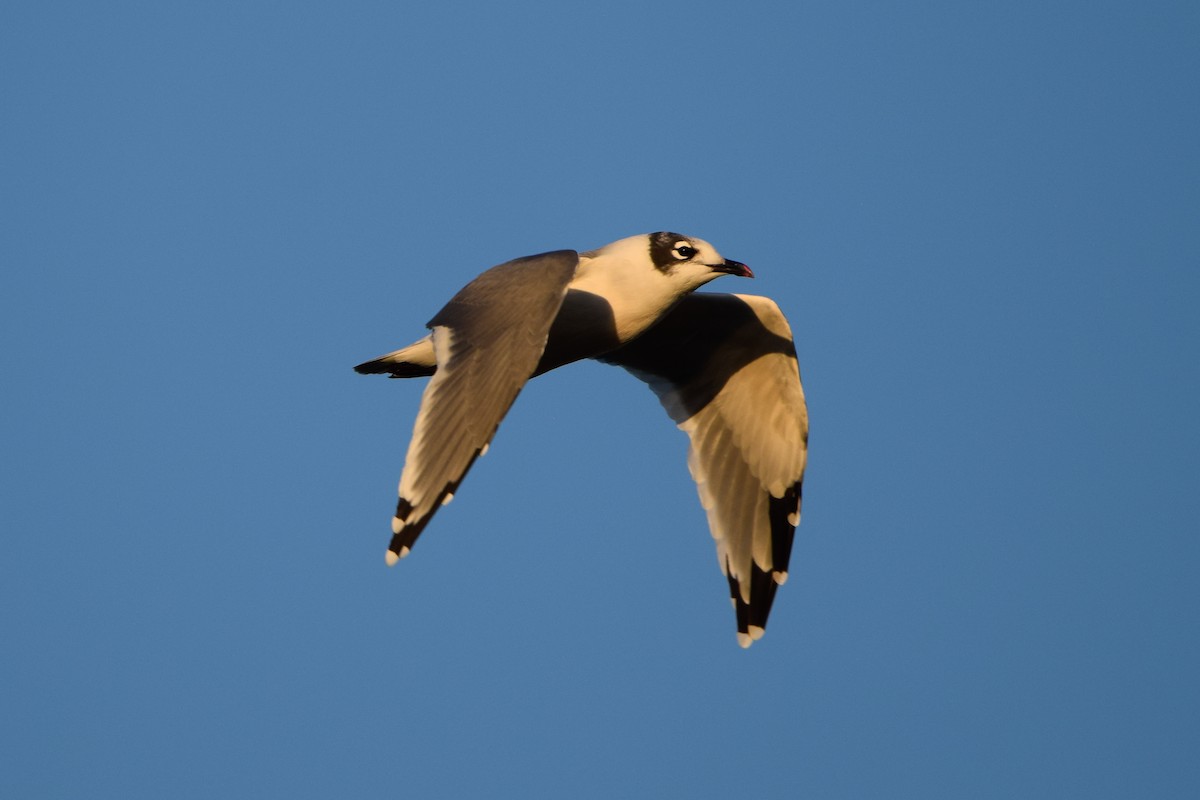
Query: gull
point(723, 366)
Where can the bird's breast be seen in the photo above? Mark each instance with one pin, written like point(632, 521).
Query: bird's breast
point(584, 328)
point(634, 295)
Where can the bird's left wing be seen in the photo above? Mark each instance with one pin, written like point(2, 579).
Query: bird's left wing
point(487, 341)
point(724, 367)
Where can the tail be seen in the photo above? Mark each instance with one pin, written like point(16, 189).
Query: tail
point(414, 361)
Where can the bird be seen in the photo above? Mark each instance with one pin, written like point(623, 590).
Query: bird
point(723, 366)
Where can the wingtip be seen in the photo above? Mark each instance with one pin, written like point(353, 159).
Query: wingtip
point(392, 556)
point(373, 367)
point(756, 632)
point(744, 640)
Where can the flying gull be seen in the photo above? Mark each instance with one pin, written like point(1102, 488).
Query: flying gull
point(722, 365)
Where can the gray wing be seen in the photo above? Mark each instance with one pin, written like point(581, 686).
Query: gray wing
point(724, 367)
point(487, 342)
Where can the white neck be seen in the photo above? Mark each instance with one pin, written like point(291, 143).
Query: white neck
point(637, 293)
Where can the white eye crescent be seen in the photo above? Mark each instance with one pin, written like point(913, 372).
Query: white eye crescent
point(683, 251)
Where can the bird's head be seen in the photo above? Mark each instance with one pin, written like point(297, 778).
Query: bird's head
point(690, 260)
point(685, 261)
point(652, 270)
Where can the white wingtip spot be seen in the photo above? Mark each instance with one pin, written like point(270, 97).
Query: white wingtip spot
point(744, 639)
point(780, 577)
point(486, 446)
point(756, 632)
point(397, 524)
point(391, 558)
point(446, 500)
point(794, 518)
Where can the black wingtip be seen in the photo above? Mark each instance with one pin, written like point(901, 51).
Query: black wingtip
point(394, 369)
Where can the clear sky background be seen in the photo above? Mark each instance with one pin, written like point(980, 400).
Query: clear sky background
point(982, 219)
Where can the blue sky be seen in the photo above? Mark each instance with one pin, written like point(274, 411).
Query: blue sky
point(983, 221)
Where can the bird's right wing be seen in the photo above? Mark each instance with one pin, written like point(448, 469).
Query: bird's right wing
point(487, 341)
point(724, 367)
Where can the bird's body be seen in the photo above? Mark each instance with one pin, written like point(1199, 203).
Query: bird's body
point(723, 366)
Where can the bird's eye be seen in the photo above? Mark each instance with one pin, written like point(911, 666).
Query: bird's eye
point(684, 251)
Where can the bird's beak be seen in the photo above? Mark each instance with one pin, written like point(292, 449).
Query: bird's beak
point(734, 268)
